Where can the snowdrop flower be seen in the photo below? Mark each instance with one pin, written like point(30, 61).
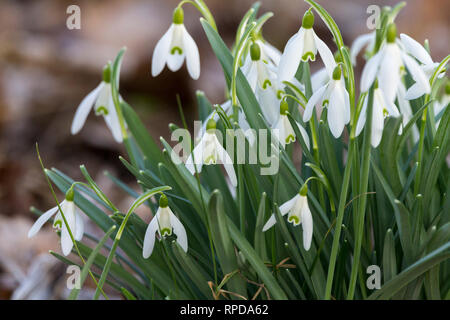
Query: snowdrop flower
point(303, 46)
point(164, 223)
point(334, 95)
point(381, 109)
point(416, 50)
point(175, 45)
point(364, 40)
point(263, 82)
point(210, 151)
point(73, 218)
point(283, 128)
point(298, 213)
point(388, 65)
point(242, 122)
point(101, 99)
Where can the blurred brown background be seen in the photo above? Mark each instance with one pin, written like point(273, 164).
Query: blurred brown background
point(46, 70)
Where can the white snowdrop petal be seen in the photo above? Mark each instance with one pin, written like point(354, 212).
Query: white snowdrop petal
point(325, 54)
point(112, 121)
point(192, 55)
point(41, 221)
point(84, 108)
point(69, 213)
point(415, 91)
point(418, 75)
point(309, 44)
point(79, 226)
point(197, 155)
point(270, 223)
point(315, 98)
point(346, 105)
point(370, 70)
point(389, 74)
point(304, 135)
point(179, 231)
point(359, 43)
point(252, 75)
point(377, 126)
point(175, 61)
point(150, 234)
point(336, 116)
point(307, 225)
point(279, 132)
point(269, 103)
point(291, 57)
point(161, 52)
point(225, 159)
point(287, 206)
point(273, 53)
point(319, 79)
point(415, 49)
point(362, 118)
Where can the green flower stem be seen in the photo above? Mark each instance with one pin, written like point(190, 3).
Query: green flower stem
point(316, 154)
point(340, 218)
point(201, 6)
point(359, 227)
point(66, 224)
point(240, 48)
point(140, 200)
point(197, 176)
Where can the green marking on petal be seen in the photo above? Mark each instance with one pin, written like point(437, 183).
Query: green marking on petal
point(210, 160)
point(385, 113)
point(290, 138)
point(280, 94)
point(294, 220)
point(266, 84)
point(101, 110)
point(325, 103)
point(176, 50)
point(57, 224)
point(309, 55)
point(166, 232)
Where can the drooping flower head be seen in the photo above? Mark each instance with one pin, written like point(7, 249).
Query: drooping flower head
point(73, 218)
point(262, 78)
point(101, 99)
point(388, 66)
point(334, 96)
point(175, 46)
point(298, 212)
point(165, 223)
point(284, 131)
point(209, 151)
point(381, 109)
point(303, 46)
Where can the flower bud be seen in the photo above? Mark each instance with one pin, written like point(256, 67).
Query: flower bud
point(107, 73)
point(255, 52)
point(391, 33)
point(308, 20)
point(304, 190)
point(337, 73)
point(178, 15)
point(211, 125)
point(70, 194)
point(163, 201)
point(284, 107)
